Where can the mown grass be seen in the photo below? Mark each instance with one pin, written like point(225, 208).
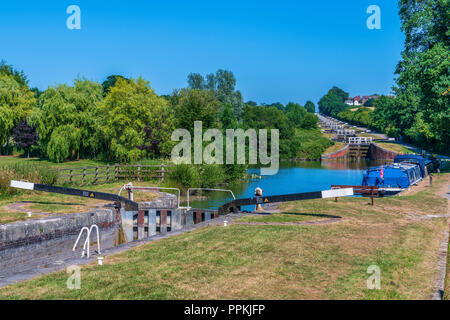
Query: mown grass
point(394, 147)
point(284, 217)
point(326, 261)
point(337, 146)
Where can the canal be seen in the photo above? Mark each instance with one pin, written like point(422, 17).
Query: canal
point(293, 177)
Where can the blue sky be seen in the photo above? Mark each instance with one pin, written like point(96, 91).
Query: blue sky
point(278, 50)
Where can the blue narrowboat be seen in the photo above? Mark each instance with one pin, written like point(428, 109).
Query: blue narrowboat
point(396, 177)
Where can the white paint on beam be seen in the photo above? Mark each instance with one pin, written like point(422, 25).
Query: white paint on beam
point(337, 193)
point(22, 185)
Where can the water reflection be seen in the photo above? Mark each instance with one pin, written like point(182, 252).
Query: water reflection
point(293, 177)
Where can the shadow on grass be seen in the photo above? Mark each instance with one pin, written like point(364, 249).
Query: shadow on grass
point(320, 215)
point(57, 203)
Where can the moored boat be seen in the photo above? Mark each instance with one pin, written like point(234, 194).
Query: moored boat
point(393, 178)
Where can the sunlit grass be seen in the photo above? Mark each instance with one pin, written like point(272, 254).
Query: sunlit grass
point(274, 262)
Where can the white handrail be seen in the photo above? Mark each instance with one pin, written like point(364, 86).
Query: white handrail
point(208, 189)
point(130, 186)
point(78, 239)
point(98, 236)
point(87, 242)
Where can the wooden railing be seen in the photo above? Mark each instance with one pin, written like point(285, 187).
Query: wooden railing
point(110, 173)
point(360, 140)
point(359, 190)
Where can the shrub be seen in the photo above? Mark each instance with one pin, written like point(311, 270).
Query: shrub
point(184, 176)
point(211, 176)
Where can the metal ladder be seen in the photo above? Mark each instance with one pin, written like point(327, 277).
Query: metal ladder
point(87, 242)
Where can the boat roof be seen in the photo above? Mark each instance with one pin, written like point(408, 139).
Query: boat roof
point(402, 166)
point(409, 157)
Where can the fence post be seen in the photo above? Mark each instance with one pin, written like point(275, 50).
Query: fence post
point(70, 177)
point(162, 172)
point(139, 172)
point(84, 177)
point(371, 196)
point(96, 175)
point(115, 171)
point(107, 173)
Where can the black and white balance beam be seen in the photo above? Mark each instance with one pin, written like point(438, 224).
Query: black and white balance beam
point(236, 204)
point(73, 192)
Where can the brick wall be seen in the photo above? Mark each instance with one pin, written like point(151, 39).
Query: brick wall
point(378, 153)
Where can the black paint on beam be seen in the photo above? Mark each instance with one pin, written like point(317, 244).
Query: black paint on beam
point(85, 194)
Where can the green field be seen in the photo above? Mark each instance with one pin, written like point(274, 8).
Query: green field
point(327, 261)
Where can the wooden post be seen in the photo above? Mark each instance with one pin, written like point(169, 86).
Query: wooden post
point(84, 177)
point(96, 175)
point(107, 172)
point(115, 171)
point(139, 172)
point(162, 172)
point(70, 177)
point(371, 195)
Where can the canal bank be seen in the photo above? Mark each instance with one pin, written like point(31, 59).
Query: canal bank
point(256, 261)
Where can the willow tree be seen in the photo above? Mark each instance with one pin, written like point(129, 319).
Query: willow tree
point(16, 104)
point(67, 121)
point(132, 113)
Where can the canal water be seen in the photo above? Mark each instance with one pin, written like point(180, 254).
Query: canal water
point(292, 177)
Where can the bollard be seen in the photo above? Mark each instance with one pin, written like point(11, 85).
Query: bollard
point(29, 214)
point(225, 223)
point(258, 193)
point(100, 261)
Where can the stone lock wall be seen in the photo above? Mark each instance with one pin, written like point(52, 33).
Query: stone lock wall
point(38, 243)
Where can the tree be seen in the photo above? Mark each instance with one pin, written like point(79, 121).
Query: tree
point(196, 81)
point(369, 102)
point(227, 117)
point(67, 121)
point(16, 104)
point(222, 84)
point(195, 105)
point(295, 113)
point(423, 73)
point(135, 121)
point(333, 102)
point(425, 24)
point(111, 82)
point(9, 70)
point(310, 106)
point(310, 121)
point(25, 136)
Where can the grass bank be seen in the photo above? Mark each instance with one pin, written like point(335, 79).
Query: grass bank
point(328, 261)
point(396, 147)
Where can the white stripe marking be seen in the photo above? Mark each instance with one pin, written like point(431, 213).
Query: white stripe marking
point(22, 185)
point(337, 193)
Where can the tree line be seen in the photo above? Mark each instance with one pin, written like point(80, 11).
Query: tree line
point(125, 120)
point(419, 110)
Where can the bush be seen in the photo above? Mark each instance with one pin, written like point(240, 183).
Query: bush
point(186, 176)
point(211, 176)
